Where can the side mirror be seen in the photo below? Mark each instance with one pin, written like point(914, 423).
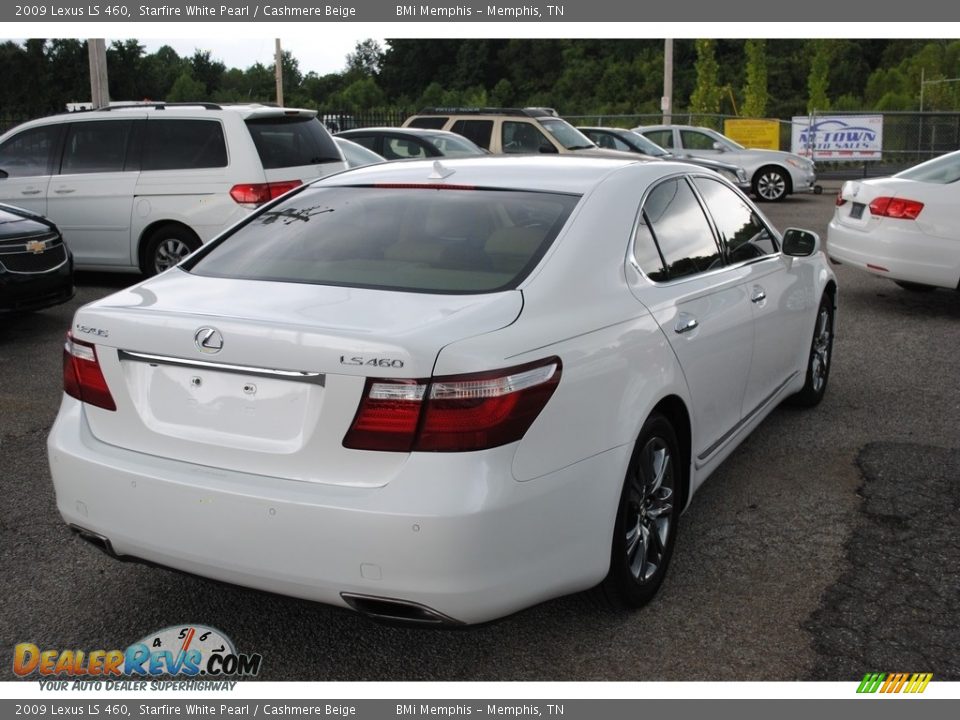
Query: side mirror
point(548, 149)
point(800, 243)
point(719, 146)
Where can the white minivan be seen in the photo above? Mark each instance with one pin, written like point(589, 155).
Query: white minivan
point(139, 187)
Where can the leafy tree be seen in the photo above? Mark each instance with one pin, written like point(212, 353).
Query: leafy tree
point(187, 89)
point(366, 59)
point(818, 81)
point(363, 94)
point(124, 60)
point(706, 96)
point(755, 92)
point(207, 71)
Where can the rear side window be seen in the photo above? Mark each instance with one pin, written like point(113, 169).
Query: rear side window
point(395, 148)
point(476, 131)
point(99, 146)
point(395, 238)
point(663, 138)
point(292, 142)
point(429, 123)
point(673, 216)
point(183, 145)
point(28, 153)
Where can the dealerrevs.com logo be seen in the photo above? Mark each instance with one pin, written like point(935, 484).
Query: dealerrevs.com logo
point(887, 683)
point(184, 651)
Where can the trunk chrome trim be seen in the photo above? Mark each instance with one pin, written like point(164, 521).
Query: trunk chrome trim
point(314, 378)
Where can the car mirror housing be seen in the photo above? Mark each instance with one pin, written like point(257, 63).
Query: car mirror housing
point(800, 243)
point(720, 146)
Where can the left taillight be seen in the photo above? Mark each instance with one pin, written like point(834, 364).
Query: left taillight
point(893, 207)
point(82, 376)
point(456, 413)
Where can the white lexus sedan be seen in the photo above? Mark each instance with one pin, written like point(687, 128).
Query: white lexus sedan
point(441, 392)
point(905, 227)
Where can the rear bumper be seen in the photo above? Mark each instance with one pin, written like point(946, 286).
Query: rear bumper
point(896, 249)
point(453, 532)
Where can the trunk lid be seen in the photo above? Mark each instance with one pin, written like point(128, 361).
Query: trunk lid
point(265, 377)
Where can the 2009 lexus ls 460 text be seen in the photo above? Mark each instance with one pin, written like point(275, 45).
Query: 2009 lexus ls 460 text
point(443, 391)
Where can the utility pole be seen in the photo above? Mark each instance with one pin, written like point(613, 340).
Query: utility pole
point(666, 102)
point(99, 85)
point(278, 72)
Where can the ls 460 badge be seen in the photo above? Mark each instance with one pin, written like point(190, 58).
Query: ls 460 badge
point(372, 362)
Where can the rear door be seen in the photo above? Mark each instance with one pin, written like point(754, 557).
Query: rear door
point(702, 307)
point(91, 198)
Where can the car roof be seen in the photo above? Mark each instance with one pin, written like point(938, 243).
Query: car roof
point(563, 173)
point(194, 109)
point(418, 132)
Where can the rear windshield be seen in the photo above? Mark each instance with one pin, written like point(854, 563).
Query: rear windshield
point(941, 171)
point(292, 141)
point(396, 238)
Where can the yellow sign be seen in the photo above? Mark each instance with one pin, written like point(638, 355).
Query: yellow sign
point(764, 134)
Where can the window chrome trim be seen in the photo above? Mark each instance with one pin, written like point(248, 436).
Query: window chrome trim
point(313, 378)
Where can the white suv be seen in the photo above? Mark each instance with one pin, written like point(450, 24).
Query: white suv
point(139, 187)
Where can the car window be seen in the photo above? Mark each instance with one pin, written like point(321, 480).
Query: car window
point(453, 145)
point(676, 223)
point(663, 138)
point(368, 141)
point(428, 123)
point(695, 140)
point(521, 137)
point(607, 140)
point(941, 171)
point(292, 141)
point(396, 238)
point(183, 145)
point(741, 230)
point(395, 148)
point(98, 146)
point(28, 153)
point(476, 131)
point(566, 134)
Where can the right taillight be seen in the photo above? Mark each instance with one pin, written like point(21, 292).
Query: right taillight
point(456, 413)
point(839, 202)
point(260, 193)
point(82, 376)
point(893, 207)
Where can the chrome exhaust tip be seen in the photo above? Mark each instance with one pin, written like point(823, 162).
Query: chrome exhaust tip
point(394, 610)
point(99, 541)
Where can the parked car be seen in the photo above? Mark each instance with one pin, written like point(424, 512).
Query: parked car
point(512, 131)
point(630, 141)
point(36, 267)
point(406, 143)
point(441, 391)
point(902, 227)
point(355, 154)
point(138, 187)
point(773, 174)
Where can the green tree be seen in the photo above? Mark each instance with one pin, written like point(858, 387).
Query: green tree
point(706, 95)
point(363, 94)
point(755, 92)
point(366, 59)
point(818, 81)
point(187, 89)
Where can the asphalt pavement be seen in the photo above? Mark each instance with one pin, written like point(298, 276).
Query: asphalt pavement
point(823, 548)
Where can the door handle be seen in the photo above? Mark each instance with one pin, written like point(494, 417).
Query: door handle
point(29, 192)
point(685, 323)
point(64, 191)
point(758, 295)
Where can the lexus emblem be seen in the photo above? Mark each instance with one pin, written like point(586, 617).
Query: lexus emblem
point(208, 340)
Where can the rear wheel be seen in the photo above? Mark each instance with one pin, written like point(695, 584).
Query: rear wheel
point(646, 524)
point(166, 246)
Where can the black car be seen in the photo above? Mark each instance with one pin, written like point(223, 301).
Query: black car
point(36, 266)
point(405, 143)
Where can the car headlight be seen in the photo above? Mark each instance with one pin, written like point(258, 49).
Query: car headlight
point(741, 175)
point(800, 163)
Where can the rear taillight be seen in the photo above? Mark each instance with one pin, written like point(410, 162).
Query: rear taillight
point(840, 201)
point(82, 377)
point(457, 413)
point(899, 208)
point(260, 193)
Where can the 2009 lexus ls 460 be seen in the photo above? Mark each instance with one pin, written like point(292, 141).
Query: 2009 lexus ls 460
point(441, 392)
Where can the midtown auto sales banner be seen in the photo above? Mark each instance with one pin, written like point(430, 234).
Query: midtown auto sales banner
point(841, 137)
point(578, 11)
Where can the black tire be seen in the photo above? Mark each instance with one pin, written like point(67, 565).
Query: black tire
point(165, 247)
point(771, 184)
point(646, 525)
point(915, 287)
point(821, 356)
